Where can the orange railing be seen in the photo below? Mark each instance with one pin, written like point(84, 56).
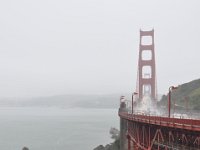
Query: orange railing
point(188, 124)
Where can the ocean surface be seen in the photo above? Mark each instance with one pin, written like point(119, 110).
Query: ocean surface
point(55, 128)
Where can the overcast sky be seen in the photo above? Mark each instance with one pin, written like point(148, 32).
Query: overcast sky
point(51, 47)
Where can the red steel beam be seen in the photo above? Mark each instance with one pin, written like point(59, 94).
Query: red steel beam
point(188, 124)
point(161, 133)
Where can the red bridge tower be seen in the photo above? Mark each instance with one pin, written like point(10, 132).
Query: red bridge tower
point(146, 83)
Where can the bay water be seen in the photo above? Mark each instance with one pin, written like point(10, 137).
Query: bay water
point(55, 128)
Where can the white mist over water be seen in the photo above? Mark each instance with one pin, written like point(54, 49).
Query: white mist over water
point(147, 107)
point(145, 104)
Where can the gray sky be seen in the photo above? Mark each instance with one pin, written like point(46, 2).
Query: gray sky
point(50, 47)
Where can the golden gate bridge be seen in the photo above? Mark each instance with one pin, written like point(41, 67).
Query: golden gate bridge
point(144, 126)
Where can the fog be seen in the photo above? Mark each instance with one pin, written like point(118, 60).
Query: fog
point(52, 47)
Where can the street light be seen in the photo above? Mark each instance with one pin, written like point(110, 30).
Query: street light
point(171, 88)
point(135, 93)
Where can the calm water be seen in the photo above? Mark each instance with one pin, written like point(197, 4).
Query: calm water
point(55, 128)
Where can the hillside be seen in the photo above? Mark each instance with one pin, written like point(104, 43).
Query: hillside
point(186, 96)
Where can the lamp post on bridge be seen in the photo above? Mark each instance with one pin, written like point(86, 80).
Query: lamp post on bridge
point(171, 88)
point(135, 93)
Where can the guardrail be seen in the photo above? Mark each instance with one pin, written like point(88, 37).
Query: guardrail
point(188, 124)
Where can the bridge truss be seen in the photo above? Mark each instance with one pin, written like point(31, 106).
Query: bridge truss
point(145, 131)
point(161, 133)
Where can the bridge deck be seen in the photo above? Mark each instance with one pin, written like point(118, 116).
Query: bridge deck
point(187, 124)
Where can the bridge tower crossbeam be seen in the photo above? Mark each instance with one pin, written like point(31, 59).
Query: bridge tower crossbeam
point(146, 82)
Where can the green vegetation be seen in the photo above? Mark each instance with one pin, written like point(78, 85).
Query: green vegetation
point(187, 95)
point(112, 146)
point(115, 145)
